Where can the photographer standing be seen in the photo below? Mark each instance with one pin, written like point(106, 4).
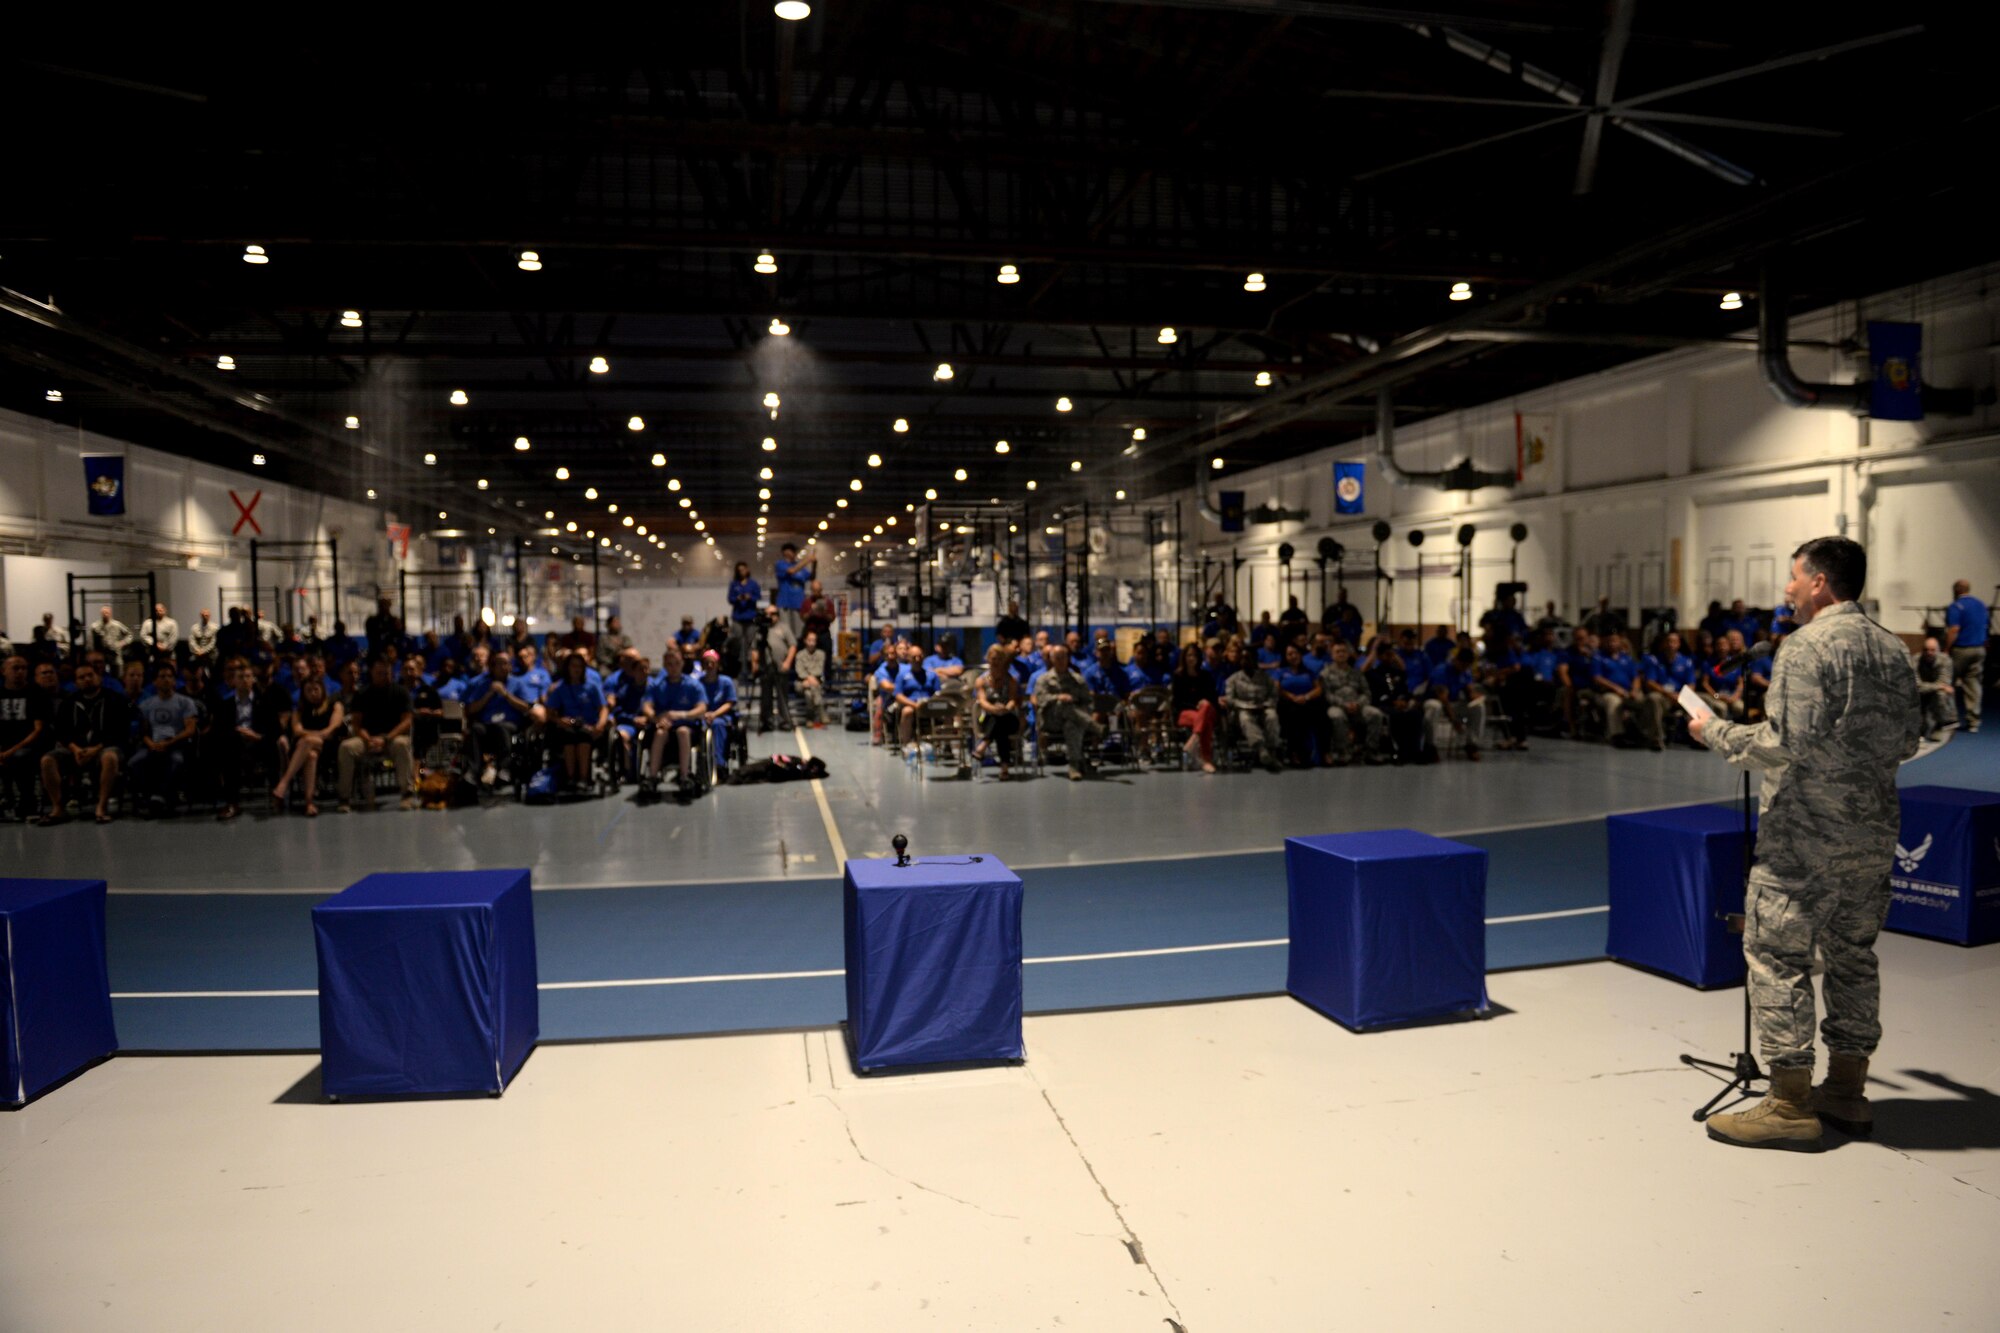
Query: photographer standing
point(1840, 716)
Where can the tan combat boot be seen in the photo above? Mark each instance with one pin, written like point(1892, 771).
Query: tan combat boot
point(1784, 1119)
point(1842, 1101)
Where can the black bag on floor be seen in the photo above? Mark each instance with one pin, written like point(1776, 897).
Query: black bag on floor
point(779, 768)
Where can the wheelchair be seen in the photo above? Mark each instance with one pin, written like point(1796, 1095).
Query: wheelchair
point(1156, 738)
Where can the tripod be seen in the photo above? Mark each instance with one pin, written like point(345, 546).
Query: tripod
point(1743, 1070)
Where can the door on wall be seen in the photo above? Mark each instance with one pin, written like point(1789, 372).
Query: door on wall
point(1718, 580)
point(1760, 580)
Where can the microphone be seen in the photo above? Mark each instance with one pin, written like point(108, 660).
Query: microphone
point(902, 846)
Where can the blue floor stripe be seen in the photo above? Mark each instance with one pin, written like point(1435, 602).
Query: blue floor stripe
point(192, 942)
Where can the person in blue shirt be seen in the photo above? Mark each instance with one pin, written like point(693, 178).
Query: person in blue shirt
point(1106, 675)
point(1543, 657)
point(944, 660)
point(790, 596)
point(1320, 655)
point(626, 693)
point(531, 671)
point(882, 696)
point(1628, 706)
point(1267, 647)
point(1456, 703)
point(1504, 619)
point(744, 595)
point(1417, 664)
point(577, 718)
point(915, 683)
point(498, 707)
point(1440, 646)
point(1575, 675)
point(1221, 661)
point(676, 706)
point(1965, 622)
point(720, 691)
point(1302, 719)
point(1721, 681)
point(687, 636)
point(1146, 670)
point(1744, 621)
point(1664, 671)
point(1505, 672)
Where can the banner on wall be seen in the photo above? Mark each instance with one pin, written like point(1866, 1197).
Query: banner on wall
point(104, 484)
point(1348, 496)
point(399, 540)
point(1230, 505)
point(1534, 444)
point(1897, 391)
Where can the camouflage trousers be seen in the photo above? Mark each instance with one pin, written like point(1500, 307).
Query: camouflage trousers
point(1783, 919)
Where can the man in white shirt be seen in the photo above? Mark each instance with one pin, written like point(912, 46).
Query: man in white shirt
point(201, 641)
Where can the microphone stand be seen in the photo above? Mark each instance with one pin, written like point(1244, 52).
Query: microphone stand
point(1742, 1069)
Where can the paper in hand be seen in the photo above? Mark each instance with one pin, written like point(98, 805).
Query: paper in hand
point(1692, 703)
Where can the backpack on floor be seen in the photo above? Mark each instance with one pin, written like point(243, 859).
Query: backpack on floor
point(542, 788)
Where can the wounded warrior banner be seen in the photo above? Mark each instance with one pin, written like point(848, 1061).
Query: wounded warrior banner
point(104, 484)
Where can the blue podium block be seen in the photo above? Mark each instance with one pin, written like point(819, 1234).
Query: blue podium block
point(1387, 926)
point(1945, 880)
point(55, 986)
point(933, 961)
point(1673, 874)
point(426, 983)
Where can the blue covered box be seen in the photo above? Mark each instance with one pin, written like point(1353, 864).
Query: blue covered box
point(933, 961)
point(1945, 880)
point(55, 986)
point(1674, 873)
point(1387, 926)
point(426, 983)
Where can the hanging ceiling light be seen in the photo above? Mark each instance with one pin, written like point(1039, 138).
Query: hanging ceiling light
point(350, 319)
point(1009, 275)
point(1168, 337)
point(570, 526)
point(771, 401)
point(1076, 465)
point(1732, 300)
point(673, 483)
point(1254, 283)
point(891, 520)
point(841, 503)
point(1461, 291)
point(225, 362)
point(562, 474)
point(371, 492)
point(635, 422)
point(779, 329)
point(590, 492)
point(599, 366)
point(430, 460)
point(659, 460)
point(1138, 434)
point(254, 254)
point(520, 444)
point(958, 474)
point(1031, 483)
point(766, 263)
point(1263, 379)
point(352, 423)
point(627, 520)
point(1215, 463)
point(874, 460)
point(763, 474)
point(256, 460)
point(529, 262)
point(770, 445)
point(686, 503)
point(1118, 495)
point(901, 425)
point(792, 10)
point(822, 525)
point(53, 396)
point(1001, 447)
point(458, 398)
point(482, 483)
point(930, 493)
point(1063, 404)
point(943, 372)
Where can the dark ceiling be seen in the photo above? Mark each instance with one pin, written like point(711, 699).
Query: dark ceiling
point(1598, 173)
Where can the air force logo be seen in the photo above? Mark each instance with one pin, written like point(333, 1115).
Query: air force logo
point(105, 486)
point(1908, 858)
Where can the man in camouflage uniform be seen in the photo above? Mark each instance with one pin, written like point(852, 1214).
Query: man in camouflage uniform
point(1062, 708)
point(1937, 697)
point(1253, 700)
point(1840, 715)
point(1348, 708)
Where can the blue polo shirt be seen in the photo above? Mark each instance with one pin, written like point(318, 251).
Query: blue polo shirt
point(744, 594)
point(1220, 674)
point(686, 638)
point(1582, 667)
point(1451, 680)
point(536, 675)
point(1760, 669)
point(1968, 616)
point(791, 584)
point(934, 662)
point(719, 689)
point(1542, 661)
point(496, 709)
point(1417, 669)
point(578, 702)
point(1139, 676)
point(1673, 672)
point(626, 694)
point(1747, 625)
point(916, 683)
point(1267, 656)
point(1300, 681)
point(1621, 670)
point(1316, 664)
point(678, 696)
point(1115, 681)
point(1440, 649)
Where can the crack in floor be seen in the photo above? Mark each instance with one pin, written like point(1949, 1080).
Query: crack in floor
point(1133, 1244)
point(855, 1143)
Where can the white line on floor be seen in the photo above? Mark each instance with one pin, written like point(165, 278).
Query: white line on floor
point(622, 983)
point(825, 810)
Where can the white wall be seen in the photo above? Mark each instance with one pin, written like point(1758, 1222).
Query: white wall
point(1679, 478)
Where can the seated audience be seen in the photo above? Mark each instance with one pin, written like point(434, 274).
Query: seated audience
point(1302, 719)
point(1937, 695)
point(809, 673)
point(90, 732)
point(1251, 703)
point(316, 722)
point(1627, 705)
point(1350, 709)
point(27, 725)
point(915, 682)
point(577, 718)
point(248, 730)
point(997, 699)
point(382, 721)
point(499, 707)
point(426, 702)
point(1457, 704)
point(168, 720)
point(1063, 708)
point(1194, 705)
point(676, 707)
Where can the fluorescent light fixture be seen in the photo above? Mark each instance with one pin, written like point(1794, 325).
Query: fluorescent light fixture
point(1254, 283)
point(529, 262)
point(350, 319)
point(254, 254)
point(1008, 276)
point(1732, 300)
point(55, 396)
point(766, 263)
point(792, 10)
point(1461, 291)
point(352, 423)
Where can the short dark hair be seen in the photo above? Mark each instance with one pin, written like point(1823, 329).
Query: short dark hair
point(1844, 562)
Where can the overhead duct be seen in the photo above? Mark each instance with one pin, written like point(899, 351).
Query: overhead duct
point(1774, 364)
point(1202, 504)
point(1462, 476)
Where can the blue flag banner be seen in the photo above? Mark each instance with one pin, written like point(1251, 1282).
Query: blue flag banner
point(1347, 491)
point(104, 484)
point(1230, 505)
point(1896, 392)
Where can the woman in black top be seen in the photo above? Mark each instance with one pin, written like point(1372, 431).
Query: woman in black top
point(314, 722)
point(998, 702)
point(1194, 705)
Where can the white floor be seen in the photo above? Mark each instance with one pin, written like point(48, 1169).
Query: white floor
point(1244, 1165)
